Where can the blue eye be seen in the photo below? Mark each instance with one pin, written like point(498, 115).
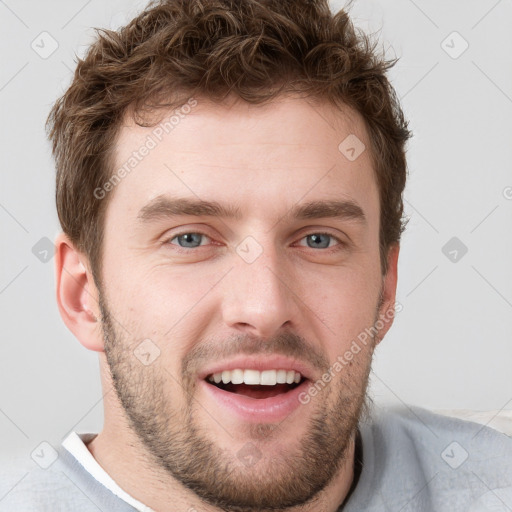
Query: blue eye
point(188, 240)
point(320, 240)
point(193, 240)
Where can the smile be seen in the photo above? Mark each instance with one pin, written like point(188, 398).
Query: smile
point(256, 384)
point(256, 396)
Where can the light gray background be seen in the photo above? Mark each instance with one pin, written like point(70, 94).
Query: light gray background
point(451, 345)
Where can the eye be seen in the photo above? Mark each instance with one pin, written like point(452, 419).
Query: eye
point(189, 240)
point(321, 240)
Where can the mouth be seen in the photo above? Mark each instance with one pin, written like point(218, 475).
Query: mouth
point(256, 384)
point(263, 388)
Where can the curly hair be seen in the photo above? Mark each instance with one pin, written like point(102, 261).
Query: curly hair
point(254, 49)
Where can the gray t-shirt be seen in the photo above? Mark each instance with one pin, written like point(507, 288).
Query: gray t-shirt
point(412, 460)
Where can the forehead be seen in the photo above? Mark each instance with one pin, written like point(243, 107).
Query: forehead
point(264, 157)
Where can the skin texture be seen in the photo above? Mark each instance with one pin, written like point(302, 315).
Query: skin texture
point(165, 441)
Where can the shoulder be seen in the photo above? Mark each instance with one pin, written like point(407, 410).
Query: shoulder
point(452, 447)
point(418, 460)
point(26, 485)
point(51, 479)
point(457, 439)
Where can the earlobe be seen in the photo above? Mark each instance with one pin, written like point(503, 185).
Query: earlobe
point(77, 295)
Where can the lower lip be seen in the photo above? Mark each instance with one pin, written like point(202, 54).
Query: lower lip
point(257, 410)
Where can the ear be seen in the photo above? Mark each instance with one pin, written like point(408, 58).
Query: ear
point(388, 295)
point(77, 295)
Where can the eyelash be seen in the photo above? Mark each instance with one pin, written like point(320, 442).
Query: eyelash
point(341, 244)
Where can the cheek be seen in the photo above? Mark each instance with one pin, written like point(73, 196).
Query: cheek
point(170, 307)
point(347, 303)
point(160, 295)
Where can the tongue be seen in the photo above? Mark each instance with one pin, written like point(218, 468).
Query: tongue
point(257, 391)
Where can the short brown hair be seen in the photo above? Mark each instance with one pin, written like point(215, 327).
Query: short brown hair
point(254, 49)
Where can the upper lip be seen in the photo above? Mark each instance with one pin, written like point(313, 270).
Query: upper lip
point(260, 363)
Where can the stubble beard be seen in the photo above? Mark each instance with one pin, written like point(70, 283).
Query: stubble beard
point(182, 447)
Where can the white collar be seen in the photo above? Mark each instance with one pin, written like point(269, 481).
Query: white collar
point(75, 444)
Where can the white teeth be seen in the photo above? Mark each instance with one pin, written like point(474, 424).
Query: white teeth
point(281, 376)
point(251, 377)
point(264, 378)
point(237, 376)
point(268, 378)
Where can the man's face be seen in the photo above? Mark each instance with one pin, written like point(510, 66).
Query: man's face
point(288, 283)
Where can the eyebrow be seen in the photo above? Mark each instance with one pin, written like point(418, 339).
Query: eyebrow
point(346, 210)
point(163, 207)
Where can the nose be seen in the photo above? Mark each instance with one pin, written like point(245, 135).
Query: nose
point(258, 297)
